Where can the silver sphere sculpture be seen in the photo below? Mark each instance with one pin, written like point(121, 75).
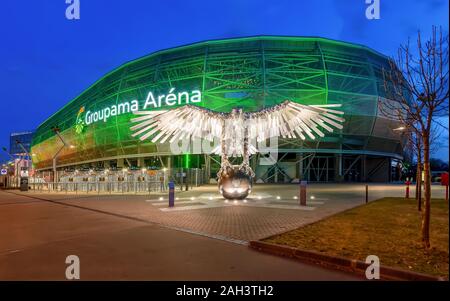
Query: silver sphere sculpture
point(235, 184)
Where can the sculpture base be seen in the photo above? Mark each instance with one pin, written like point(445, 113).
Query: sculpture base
point(235, 184)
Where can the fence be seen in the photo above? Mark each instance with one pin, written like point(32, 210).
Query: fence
point(118, 181)
point(100, 187)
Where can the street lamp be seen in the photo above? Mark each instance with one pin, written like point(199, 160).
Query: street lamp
point(400, 128)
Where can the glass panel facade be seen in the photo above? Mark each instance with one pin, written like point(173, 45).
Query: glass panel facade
point(252, 73)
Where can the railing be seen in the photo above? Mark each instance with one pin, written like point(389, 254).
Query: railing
point(132, 182)
point(100, 187)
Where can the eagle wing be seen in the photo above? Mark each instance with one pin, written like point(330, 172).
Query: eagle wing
point(287, 120)
point(180, 123)
point(292, 120)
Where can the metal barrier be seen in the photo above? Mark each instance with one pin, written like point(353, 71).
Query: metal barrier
point(116, 181)
point(100, 187)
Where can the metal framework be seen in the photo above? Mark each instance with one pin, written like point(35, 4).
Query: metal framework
point(251, 73)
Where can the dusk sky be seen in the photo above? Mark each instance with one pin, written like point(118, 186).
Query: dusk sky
point(47, 60)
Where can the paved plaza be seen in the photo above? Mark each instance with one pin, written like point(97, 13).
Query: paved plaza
point(139, 237)
point(269, 210)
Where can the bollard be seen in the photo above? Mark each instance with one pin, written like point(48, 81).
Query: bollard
point(302, 193)
point(171, 194)
point(407, 189)
point(367, 193)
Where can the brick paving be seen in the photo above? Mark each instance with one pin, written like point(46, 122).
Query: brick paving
point(241, 222)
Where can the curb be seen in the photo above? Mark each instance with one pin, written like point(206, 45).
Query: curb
point(339, 263)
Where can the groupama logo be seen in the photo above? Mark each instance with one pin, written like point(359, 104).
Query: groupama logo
point(79, 123)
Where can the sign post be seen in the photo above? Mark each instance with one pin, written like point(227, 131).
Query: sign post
point(171, 194)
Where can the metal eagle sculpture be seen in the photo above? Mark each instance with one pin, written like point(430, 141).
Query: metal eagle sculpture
point(235, 130)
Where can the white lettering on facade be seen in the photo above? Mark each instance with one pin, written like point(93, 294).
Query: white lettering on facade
point(171, 99)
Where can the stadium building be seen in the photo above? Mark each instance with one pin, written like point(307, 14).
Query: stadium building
point(92, 132)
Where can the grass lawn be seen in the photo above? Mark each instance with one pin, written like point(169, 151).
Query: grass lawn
point(388, 228)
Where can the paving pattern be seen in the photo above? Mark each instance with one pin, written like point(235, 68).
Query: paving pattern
point(210, 200)
point(271, 209)
point(204, 212)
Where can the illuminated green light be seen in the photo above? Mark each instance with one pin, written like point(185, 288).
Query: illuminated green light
point(250, 73)
point(187, 161)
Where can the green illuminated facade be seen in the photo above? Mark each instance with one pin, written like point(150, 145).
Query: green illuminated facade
point(252, 73)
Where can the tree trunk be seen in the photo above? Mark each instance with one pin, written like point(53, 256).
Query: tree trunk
point(427, 192)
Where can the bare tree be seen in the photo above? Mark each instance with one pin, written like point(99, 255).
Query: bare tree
point(417, 83)
point(414, 143)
